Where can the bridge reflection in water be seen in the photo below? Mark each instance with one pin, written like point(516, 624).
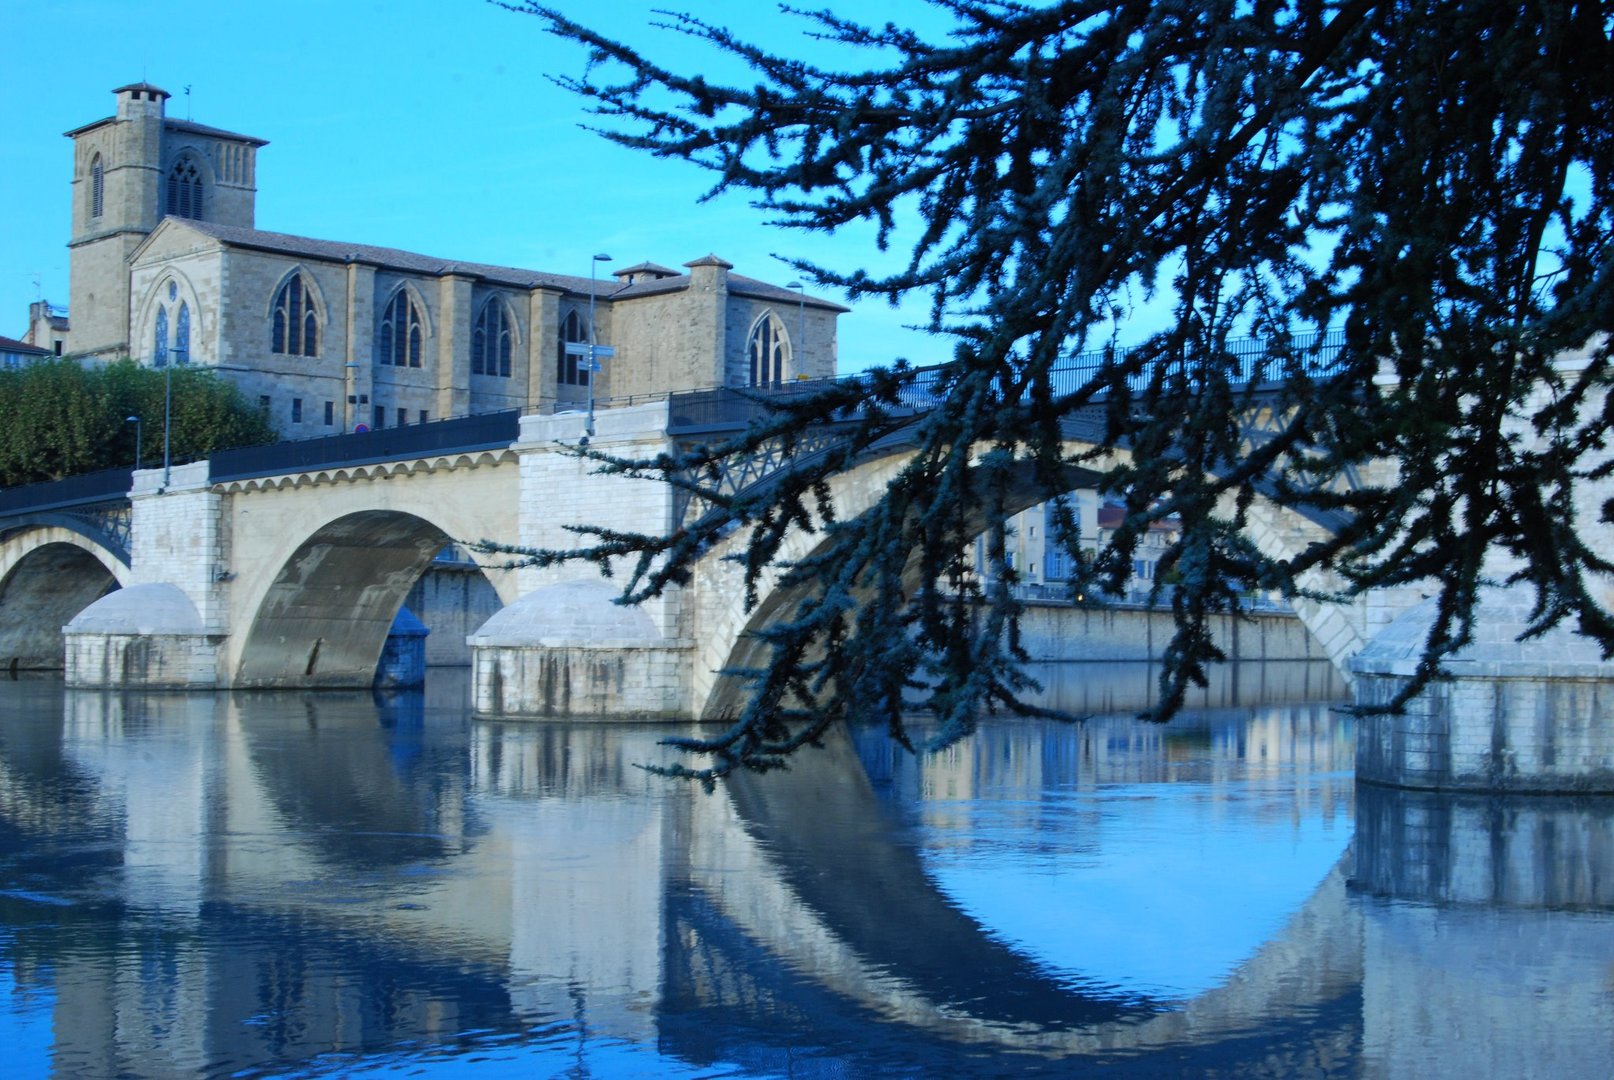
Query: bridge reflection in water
point(223, 884)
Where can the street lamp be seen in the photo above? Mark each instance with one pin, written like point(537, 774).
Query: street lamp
point(591, 352)
point(801, 322)
point(135, 420)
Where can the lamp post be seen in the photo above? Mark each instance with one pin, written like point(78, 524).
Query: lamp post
point(593, 351)
point(135, 420)
point(176, 355)
point(801, 321)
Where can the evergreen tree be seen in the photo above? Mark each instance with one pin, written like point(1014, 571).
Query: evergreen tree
point(60, 418)
point(1431, 181)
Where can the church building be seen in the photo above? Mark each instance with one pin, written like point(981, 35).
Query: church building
point(168, 266)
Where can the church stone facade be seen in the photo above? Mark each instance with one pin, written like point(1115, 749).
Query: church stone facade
point(168, 266)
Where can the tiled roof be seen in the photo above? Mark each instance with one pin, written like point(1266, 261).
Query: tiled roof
point(390, 258)
point(12, 345)
point(645, 268)
point(178, 125)
point(217, 133)
point(413, 262)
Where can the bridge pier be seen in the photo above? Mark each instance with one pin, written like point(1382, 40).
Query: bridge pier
point(166, 628)
point(1512, 716)
point(565, 648)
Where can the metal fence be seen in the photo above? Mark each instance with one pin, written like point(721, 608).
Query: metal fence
point(1140, 597)
point(109, 485)
point(483, 431)
point(1252, 362)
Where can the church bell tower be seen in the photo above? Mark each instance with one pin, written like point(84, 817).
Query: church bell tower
point(130, 170)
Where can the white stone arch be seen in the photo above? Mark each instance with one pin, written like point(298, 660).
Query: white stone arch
point(154, 299)
point(428, 336)
point(316, 293)
point(25, 542)
point(724, 626)
point(769, 335)
point(48, 575)
point(317, 610)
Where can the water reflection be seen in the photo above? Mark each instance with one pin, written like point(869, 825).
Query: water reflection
point(1518, 888)
point(1088, 687)
point(314, 884)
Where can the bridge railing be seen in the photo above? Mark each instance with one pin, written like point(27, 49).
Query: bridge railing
point(725, 408)
point(87, 489)
point(465, 434)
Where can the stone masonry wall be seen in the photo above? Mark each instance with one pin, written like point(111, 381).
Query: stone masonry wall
point(180, 539)
point(1523, 734)
point(557, 490)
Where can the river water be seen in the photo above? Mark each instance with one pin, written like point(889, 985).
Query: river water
point(345, 885)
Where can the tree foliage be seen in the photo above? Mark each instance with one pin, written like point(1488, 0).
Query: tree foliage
point(61, 418)
point(1433, 180)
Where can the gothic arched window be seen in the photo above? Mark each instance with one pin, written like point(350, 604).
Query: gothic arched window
point(295, 329)
point(769, 349)
point(400, 340)
point(571, 369)
point(491, 340)
point(97, 187)
point(185, 190)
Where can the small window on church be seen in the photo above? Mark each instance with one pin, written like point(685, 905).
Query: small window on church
point(491, 342)
point(295, 329)
point(185, 190)
point(400, 340)
point(570, 368)
point(769, 349)
point(97, 187)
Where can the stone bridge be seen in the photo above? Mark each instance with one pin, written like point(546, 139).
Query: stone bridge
point(280, 569)
point(283, 567)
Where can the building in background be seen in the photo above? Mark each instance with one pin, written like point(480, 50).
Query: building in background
point(168, 266)
point(14, 353)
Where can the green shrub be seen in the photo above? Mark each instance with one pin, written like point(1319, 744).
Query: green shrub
point(61, 418)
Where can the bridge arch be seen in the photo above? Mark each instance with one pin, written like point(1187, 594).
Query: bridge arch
point(728, 641)
point(320, 617)
point(48, 574)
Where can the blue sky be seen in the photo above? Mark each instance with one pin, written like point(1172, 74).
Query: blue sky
point(428, 125)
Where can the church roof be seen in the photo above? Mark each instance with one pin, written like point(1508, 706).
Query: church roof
point(177, 125)
point(305, 247)
point(389, 258)
point(218, 133)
